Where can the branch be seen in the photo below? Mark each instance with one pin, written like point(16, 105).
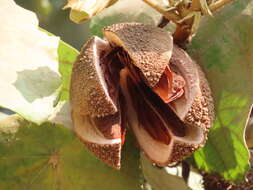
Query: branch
point(218, 4)
point(172, 16)
point(195, 5)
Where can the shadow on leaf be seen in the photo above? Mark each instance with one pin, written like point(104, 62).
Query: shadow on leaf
point(36, 84)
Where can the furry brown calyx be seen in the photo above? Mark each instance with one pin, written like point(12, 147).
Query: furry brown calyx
point(136, 76)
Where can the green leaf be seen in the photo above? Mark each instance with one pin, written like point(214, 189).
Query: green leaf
point(67, 56)
point(29, 78)
point(124, 11)
point(51, 157)
point(61, 114)
point(223, 47)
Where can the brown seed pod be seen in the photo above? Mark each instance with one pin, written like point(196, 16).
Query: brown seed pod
point(136, 76)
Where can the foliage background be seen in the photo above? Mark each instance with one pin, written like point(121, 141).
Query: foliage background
point(52, 18)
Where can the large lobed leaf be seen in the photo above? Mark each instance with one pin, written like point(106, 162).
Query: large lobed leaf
point(223, 47)
point(29, 78)
point(51, 157)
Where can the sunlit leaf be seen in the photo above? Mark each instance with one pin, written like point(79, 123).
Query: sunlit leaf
point(29, 78)
point(51, 157)
point(67, 56)
point(82, 10)
point(223, 46)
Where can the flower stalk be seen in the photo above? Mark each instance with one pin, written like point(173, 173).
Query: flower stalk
point(186, 15)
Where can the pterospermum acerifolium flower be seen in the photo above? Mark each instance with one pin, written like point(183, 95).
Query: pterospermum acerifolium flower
point(137, 78)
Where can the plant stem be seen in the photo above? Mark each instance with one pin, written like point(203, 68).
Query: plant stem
point(184, 30)
point(171, 2)
point(163, 22)
point(218, 4)
point(195, 5)
point(172, 16)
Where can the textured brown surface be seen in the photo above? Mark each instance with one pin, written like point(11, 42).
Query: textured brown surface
point(216, 183)
point(86, 93)
point(108, 153)
point(149, 47)
point(201, 112)
point(200, 115)
point(181, 150)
